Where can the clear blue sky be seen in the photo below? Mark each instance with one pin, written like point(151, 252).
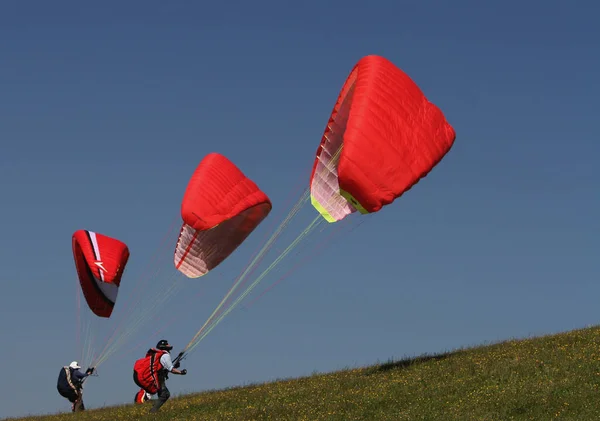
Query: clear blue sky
point(106, 109)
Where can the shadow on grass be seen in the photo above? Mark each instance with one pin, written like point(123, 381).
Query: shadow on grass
point(408, 362)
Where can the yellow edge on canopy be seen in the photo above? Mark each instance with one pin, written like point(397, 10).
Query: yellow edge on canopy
point(353, 202)
point(321, 209)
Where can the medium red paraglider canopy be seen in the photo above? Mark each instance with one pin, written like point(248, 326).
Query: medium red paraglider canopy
point(220, 208)
point(382, 137)
point(100, 262)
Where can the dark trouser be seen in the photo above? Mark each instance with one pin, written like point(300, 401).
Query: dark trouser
point(163, 393)
point(74, 397)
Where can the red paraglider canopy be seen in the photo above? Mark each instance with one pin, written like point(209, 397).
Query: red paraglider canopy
point(100, 262)
point(220, 208)
point(382, 137)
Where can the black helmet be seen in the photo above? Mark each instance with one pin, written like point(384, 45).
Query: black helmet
point(163, 344)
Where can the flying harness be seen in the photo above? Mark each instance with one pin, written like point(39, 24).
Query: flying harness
point(145, 370)
point(70, 381)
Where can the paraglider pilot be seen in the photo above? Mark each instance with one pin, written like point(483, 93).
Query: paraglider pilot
point(70, 384)
point(151, 373)
point(167, 367)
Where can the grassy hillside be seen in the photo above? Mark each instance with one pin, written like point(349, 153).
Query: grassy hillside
point(552, 377)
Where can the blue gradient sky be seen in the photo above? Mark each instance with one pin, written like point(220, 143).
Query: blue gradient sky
point(106, 109)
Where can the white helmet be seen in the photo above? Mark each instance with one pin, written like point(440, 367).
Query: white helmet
point(74, 365)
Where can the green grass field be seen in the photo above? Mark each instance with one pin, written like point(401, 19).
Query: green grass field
point(545, 378)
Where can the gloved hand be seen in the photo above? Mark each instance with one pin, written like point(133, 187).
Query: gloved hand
point(89, 370)
point(177, 364)
point(184, 372)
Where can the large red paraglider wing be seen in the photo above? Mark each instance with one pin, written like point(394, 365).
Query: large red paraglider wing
point(383, 136)
point(220, 208)
point(100, 262)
